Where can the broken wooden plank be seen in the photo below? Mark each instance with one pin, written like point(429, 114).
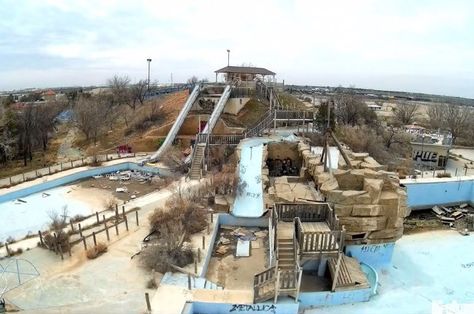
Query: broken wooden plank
point(438, 211)
point(457, 215)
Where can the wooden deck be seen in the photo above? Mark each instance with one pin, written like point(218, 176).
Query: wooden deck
point(350, 274)
point(317, 237)
point(285, 230)
point(320, 226)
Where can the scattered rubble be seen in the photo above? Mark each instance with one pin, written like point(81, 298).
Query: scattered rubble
point(450, 214)
point(229, 236)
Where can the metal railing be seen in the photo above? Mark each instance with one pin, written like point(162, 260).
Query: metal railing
point(66, 165)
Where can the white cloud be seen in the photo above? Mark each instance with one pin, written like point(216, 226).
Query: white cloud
point(304, 41)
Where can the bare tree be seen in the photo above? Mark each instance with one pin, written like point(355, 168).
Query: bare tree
point(44, 116)
point(27, 125)
point(405, 112)
point(436, 114)
point(90, 115)
point(391, 135)
point(137, 94)
point(351, 110)
point(457, 120)
point(454, 118)
point(119, 86)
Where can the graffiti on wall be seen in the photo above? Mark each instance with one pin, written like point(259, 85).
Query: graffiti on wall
point(270, 308)
point(375, 248)
point(425, 156)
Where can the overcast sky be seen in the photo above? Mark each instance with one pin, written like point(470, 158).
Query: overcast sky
point(425, 46)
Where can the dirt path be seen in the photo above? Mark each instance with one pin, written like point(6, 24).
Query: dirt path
point(66, 151)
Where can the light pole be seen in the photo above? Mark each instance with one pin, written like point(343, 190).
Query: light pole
point(148, 82)
point(228, 57)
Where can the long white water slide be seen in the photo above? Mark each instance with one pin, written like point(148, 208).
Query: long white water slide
point(177, 124)
point(216, 113)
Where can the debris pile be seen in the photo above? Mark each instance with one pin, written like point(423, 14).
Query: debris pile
point(230, 235)
point(282, 167)
point(128, 175)
point(449, 215)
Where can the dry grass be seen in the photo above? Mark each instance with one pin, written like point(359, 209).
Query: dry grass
point(252, 112)
point(291, 102)
point(96, 251)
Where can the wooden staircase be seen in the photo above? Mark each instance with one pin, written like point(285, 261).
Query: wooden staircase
point(285, 245)
point(196, 164)
point(286, 254)
point(283, 279)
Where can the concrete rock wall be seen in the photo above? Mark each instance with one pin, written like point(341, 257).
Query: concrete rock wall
point(367, 199)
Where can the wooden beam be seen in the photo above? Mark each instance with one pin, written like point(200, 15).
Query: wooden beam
point(343, 153)
point(336, 272)
point(277, 286)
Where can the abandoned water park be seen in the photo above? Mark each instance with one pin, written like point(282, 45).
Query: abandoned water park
point(253, 201)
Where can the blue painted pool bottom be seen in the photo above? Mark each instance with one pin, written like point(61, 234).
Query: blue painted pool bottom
point(79, 176)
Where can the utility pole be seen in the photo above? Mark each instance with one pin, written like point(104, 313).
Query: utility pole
point(148, 82)
point(171, 79)
point(228, 57)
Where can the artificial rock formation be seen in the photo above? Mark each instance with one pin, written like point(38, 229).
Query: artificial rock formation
point(368, 200)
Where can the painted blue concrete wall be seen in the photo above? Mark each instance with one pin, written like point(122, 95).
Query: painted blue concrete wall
point(328, 298)
point(427, 194)
point(375, 255)
point(290, 307)
point(79, 176)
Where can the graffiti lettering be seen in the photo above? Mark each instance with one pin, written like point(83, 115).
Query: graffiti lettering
point(425, 156)
point(254, 195)
point(253, 307)
point(371, 249)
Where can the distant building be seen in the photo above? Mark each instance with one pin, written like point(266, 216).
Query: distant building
point(244, 74)
point(431, 156)
point(48, 95)
point(374, 107)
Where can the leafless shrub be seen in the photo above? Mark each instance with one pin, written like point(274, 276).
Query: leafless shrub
point(179, 211)
point(110, 204)
point(174, 159)
point(56, 237)
point(151, 284)
point(223, 182)
point(159, 259)
point(77, 218)
point(96, 251)
point(58, 219)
